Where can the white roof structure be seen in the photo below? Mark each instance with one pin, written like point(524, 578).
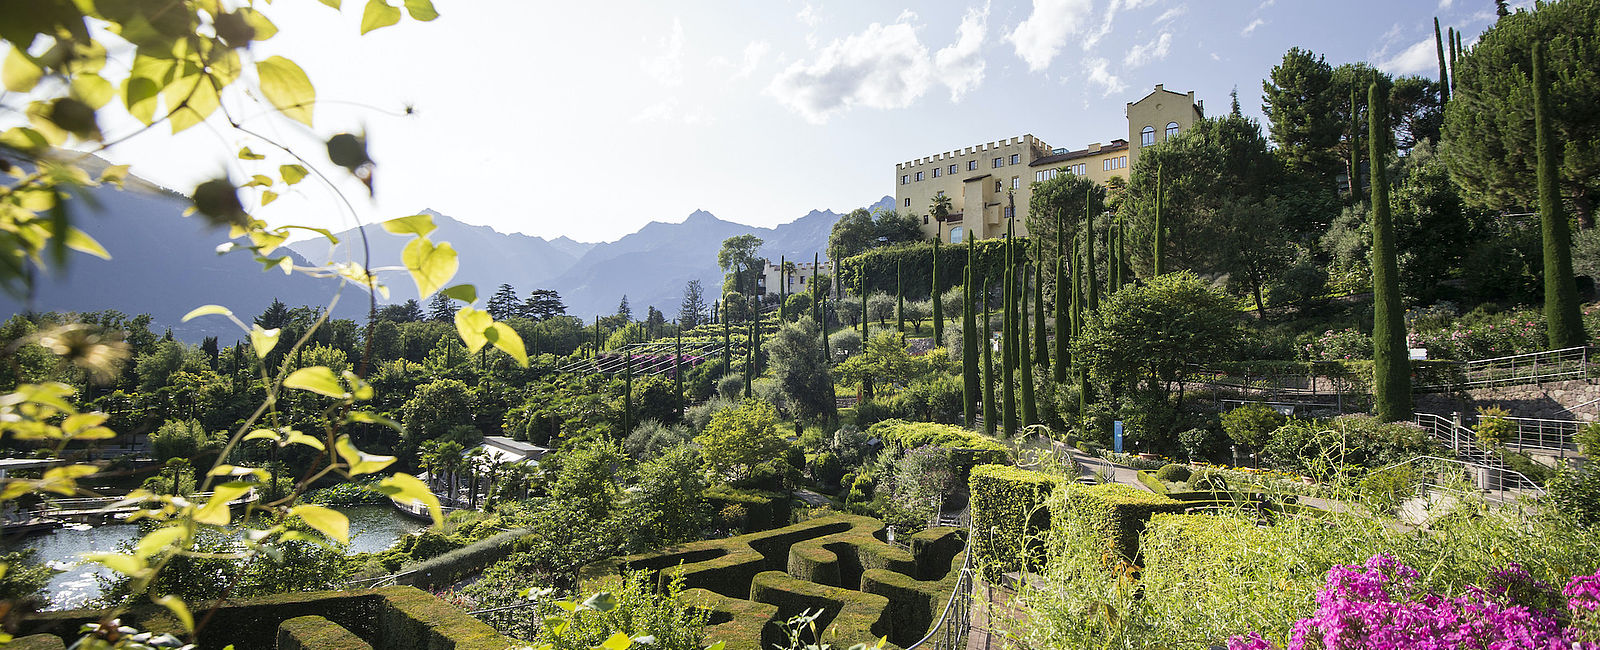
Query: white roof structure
point(502, 450)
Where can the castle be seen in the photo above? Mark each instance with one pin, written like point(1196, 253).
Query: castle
point(983, 180)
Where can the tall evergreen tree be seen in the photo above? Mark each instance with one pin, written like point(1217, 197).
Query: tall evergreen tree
point(1091, 290)
point(1030, 413)
point(1355, 149)
point(1160, 230)
point(750, 359)
point(692, 311)
point(1444, 72)
point(1063, 333)
point(938, 310)
point(969, 346)
point(624, 310)
point(1391, 364)
point(727, 341)
point(861, 287)
point(627, 400)
point(899, 298)
point(1563, 322)
point(504, 303)
point(1041, 338)
point(441, 309)
point(783, 290)
point(989, 411)
point(1008, 341)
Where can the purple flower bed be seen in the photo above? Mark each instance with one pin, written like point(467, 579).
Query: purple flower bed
point(1376, 606)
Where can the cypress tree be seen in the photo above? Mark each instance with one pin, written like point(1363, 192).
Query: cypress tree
point(1563, 323)
point(727, 342)
point(1391, 365)
point(1030, 413)
point(938, 310)
point(597, 342)
point(783, 290)
point(1008, 344)
point(969, 345)
point(989, 410)
point(1041, 338)
point(1355, 148)
point(1091, 289)
point(627, 400)
point(899, 298)
point(1085, 312)
point(677, 367)
point(1444, 74)
point(1062, 331)
point(818, 311)
point(1160, 232)
point(750, 359)
point(861, 286)
point(1452, 39)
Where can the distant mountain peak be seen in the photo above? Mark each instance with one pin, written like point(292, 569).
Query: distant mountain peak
point(700, 216)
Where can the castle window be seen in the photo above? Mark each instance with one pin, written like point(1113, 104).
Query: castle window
point(1015, 158)
point(955, 235)
point(952, 170)
point(936, 172)
point(908, 201)
point(1172, 130)
point(1016, 183)
point(999, 187)
point(1107, 163)
point(1147, 137)
point(905, 179)
point(999, 162)
point(919, 177)
point(972, 165)
point(924, 220)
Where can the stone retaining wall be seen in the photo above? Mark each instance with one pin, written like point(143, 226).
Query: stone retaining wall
point(1557, 400)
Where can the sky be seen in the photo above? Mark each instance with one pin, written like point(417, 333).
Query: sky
point(589, 120)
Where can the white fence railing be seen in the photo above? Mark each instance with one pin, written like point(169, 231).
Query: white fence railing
point(1498, 479)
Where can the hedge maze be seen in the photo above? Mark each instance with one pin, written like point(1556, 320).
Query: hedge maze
point(840, 564)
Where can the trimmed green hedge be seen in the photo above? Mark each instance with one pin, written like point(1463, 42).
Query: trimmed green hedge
point(849, 617)
point(766, 510)
point(317, 633)
point(37, 642)
point(885, 263)
point(915, 604)
point(1116, 512)
point(399, 617)
point(738, 623)
point(1182, 553)
point(1150, 481)
point(1357, 371)
point(451, 567)
point(1008, 505)
point(968, 449)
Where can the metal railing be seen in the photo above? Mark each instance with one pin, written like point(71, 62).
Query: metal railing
point(1528, 368)
point(1499, 478)
point(1449, 474)
point(956, 620)
point(1545, 435)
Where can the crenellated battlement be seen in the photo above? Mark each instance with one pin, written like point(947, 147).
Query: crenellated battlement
point(983, 148)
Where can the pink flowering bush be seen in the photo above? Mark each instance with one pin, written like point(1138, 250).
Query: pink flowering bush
point(1378, 606)
point(1338, 345)
point(1482, 336)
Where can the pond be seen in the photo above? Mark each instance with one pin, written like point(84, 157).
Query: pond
point(372, 528)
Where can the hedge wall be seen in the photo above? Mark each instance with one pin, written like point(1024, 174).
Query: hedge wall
point(1008, 505)
point(849, 617)
point(1150, 481)
point(399, 617)
point(1357, 371)
point(1116, 512)
point(317, 633)
point(1183, 552)
point(765, 510)
point(915, 604)
point(738, 623)
point(968, 449)
point(914, 261)
point(451, 567)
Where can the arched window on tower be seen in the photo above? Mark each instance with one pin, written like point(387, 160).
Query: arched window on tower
point(1172, 130)
point(1147, 137)
point(955, 234)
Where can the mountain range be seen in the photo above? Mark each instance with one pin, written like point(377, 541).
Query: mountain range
point(164, 264)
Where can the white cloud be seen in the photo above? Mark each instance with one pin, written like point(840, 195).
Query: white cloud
point(670, 111)
point(906, 16)
point(754, 53)
point(1112, 9)
point(1445, 4)
point(1156, 50)
point(884, 66)
point(1041, 35)
point(667, 68)
point(809, 15)
point(1252, 27)
point(1420, 57)
point(1172, 13)
point(1100, 75)
point(960, 65)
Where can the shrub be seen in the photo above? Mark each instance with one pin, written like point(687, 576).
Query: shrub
point(1387, 489)
point(1008, 506)
point(1494, 430)
point(731, 386)
point(1252, 424)
point(1207, 481)
point(1116, 513)
point(1575, 491)
point(1202, 443)
point(1174, 473)
point(1588, 440)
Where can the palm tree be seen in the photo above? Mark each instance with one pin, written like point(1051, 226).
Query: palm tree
point(939, 208)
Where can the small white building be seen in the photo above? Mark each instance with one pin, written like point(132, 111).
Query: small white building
point(503, 451)
point(799, 279)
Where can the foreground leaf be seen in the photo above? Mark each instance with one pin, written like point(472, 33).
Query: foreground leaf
point(288, 88)
point(327, 521)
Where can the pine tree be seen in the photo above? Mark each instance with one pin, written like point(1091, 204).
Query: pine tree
point(989, 410)
point(1391, 365)
point(1160, 231)
point(441, 309)
point(969, 346)
point(938, 310)
point(624, 310)
point(504, 303)
point(1030, 413)
point(1444, 73)
point(1041, 338)
point(1062, 323)
point(1563, 322)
